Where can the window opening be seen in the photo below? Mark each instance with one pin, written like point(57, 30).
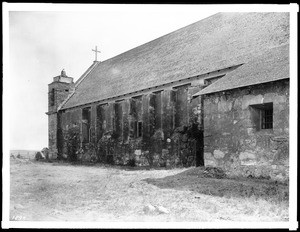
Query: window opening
point(86, 124)
point(139, 129)
point(267, 118)
point(262, 116)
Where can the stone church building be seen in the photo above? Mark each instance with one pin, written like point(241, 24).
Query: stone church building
point(213, 93)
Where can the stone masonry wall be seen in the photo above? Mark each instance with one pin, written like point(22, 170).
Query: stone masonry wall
point(57, 92)
point(233, 141)
point(68, 120)
point(52, 135)
point(164, 117)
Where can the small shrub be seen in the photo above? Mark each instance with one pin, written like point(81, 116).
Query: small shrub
point(214, 172)
point(110, 159)
point(131, 162)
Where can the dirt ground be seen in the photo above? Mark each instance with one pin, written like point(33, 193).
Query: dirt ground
point(42, 191)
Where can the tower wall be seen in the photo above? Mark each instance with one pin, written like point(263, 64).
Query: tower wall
point(52, 135)
point(58, 91)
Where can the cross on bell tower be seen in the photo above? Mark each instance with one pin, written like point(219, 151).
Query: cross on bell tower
point(96, 51)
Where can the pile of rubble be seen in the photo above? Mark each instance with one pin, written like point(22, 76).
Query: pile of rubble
point(42, 155)
point(213, 172)
point(205, 172)
point(153, 209)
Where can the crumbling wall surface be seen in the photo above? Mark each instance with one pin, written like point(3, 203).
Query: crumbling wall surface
point(184, 139)
point(233, 141)
point(69, 126)
point(153, 129)
point(52, 134)
point(58, 92)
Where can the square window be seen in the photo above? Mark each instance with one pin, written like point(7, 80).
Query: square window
point(267, 118)
point(262, 116)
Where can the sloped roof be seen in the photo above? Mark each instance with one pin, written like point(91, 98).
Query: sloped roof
point(273, 65)
point(84, 75)
point(219, 41)
point(77, 83)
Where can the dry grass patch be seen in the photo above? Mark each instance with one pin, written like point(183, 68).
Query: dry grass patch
point(65, 192)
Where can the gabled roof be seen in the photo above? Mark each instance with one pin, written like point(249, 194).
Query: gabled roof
point(271, 66)
point(219, 41)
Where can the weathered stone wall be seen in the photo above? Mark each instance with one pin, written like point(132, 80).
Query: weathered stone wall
point(52, 135)
point(61, 91)
point(68, 121)
point(233, 141)
point(57, 92)
point(165, 139)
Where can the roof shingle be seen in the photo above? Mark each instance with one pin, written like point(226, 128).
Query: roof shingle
point(271, 66)
point(217, 42)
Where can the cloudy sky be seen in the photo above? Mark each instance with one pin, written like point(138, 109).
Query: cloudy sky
point(42, 42)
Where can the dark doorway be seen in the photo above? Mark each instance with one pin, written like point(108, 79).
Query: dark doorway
point(199, 149)
point(200, 133)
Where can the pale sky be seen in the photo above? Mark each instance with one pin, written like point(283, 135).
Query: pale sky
point(42, 43)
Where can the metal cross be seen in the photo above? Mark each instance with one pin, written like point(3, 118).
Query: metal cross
point(96, 51)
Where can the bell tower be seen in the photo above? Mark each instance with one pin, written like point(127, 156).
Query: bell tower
point(58, 91)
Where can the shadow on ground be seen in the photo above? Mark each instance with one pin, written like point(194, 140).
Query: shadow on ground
point(97, 164)
point(197, 180)
point(210, 183)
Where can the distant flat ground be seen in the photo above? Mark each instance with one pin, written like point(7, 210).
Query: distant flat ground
point(24, 153)
point(43, 191)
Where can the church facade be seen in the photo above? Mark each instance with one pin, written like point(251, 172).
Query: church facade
point(213, 93)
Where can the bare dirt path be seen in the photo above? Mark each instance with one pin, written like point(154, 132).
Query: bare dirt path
point(64, 192)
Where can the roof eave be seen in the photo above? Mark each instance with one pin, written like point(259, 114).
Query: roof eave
point(201, 92)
